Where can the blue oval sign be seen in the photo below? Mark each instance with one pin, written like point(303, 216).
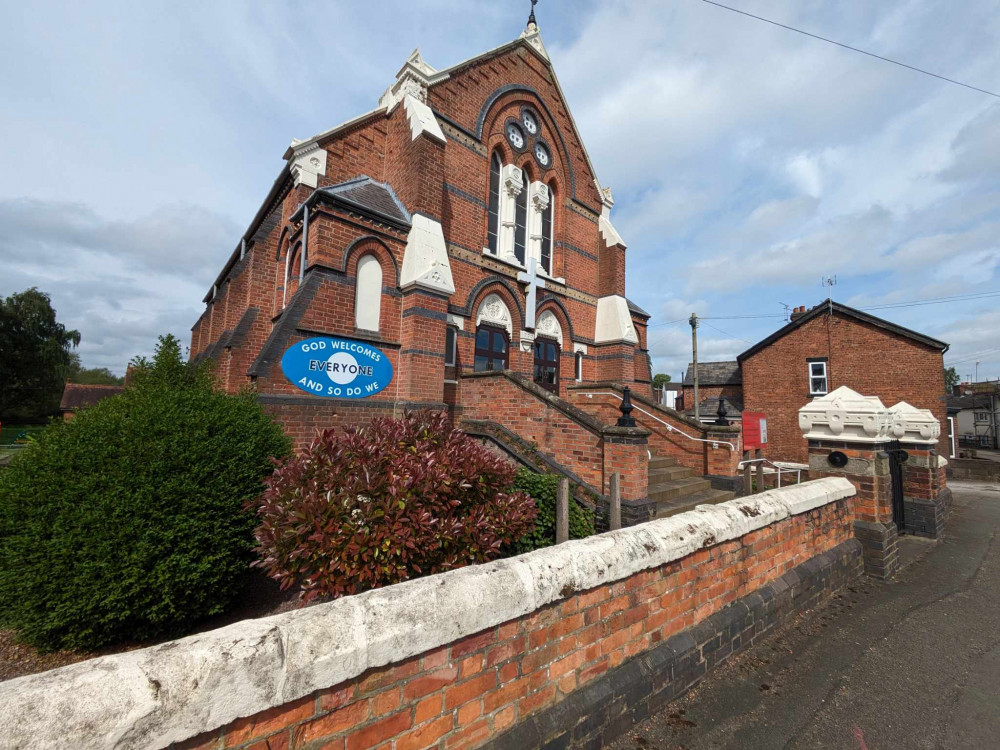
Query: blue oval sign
point(337, 368)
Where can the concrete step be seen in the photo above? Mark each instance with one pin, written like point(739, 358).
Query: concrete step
point(660, 462)
point(690, 502)
point(675, 488)
point(667, 473)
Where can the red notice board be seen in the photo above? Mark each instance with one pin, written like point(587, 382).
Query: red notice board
point(754, 429)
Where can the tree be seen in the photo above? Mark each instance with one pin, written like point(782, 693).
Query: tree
point(660, 379)
point(129, 522)
point(91, 375)
point(951, 379)
point(36, 356)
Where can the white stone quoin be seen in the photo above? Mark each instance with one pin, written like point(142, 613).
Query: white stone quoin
point(844, 414)
point(909, 424)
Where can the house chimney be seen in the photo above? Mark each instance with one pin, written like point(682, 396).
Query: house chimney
point(798, 312)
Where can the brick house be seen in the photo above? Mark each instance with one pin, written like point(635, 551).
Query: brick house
point(77, 396)
point(457, 234)
point(829, 346)
point(716, 380)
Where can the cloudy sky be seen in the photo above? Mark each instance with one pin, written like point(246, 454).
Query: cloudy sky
point(137, 141)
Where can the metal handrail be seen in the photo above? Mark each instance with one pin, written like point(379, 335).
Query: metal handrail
point(779, 469)
point(670, 427)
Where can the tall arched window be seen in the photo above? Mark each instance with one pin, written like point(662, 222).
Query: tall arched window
point(494, 209)
point(368, 294)
point(547, 234)
point(521, 218)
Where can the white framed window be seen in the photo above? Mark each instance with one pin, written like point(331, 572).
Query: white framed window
point(578, 366)
point(817, 379)
point(450, 346)
point(493, 233)
point(982, 416)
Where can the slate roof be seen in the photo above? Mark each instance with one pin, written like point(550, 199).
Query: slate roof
point(715, 373)
point(971, 401)
point(374, 200)
point(847, 312)
point(77, 396)
point(637, 310)
point(710, 406)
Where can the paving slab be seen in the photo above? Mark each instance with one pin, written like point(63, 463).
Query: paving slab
point(910, 663)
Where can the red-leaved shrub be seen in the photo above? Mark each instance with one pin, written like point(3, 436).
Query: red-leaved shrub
point(379, 504)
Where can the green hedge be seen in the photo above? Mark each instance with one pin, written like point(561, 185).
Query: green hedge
point(128, 522)
point(543, 488)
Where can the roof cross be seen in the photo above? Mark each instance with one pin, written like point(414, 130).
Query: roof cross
point(534, 282)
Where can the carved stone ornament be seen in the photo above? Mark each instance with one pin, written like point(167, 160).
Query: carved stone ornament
point(540, 196)
point(845, 414)
point(513, 180)
point(548, 326)
point(493, 311)
point(909, 424)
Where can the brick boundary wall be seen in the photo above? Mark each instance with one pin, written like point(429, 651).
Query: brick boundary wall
point(497, 654)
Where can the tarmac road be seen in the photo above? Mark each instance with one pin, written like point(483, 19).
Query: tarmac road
point(912, 663)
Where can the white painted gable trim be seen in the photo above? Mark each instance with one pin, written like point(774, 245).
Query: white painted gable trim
point(425, 260)
point(614, 321)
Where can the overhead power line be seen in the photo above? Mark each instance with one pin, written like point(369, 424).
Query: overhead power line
point(853, 49)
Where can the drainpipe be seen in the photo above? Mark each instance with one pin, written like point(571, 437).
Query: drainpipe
point(305, 240)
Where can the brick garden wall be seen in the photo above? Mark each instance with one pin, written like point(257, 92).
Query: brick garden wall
point(464, 694)
point(514, 653)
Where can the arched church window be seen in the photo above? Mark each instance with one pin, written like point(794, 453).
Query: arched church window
point(521, 219)
point(547, 234)
point(494, 207)
point(368, 294)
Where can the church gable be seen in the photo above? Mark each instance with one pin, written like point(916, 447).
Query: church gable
point(471, 91)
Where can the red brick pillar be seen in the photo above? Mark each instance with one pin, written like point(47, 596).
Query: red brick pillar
point(626, 452)
point(421, 356)
point(926, 497)
point(848, 436)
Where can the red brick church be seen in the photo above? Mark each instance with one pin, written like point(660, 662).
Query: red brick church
point(457, 228)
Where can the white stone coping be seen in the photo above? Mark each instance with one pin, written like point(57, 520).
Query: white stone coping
point(168, 693)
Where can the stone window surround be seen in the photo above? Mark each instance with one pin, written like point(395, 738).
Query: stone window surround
point(540, 196)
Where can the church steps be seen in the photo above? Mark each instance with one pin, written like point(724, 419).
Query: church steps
point(668, 473)
point(674, 488)
point(690, 502)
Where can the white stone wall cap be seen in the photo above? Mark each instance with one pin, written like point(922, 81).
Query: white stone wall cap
point(614, 321)
point(422, 120)
point(844, 414)
point(425, 259)
point(913, 425)
point(609, 233)
point(167, 693)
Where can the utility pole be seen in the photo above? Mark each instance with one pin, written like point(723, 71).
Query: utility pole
point(694, 355)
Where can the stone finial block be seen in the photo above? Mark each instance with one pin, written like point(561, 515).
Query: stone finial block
point(845, 414)
point(912, 425)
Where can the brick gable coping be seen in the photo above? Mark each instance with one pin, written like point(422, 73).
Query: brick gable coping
point(847, 312)
point(169, 693)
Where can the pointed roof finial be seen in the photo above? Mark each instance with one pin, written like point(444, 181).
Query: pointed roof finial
point(531, 18)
